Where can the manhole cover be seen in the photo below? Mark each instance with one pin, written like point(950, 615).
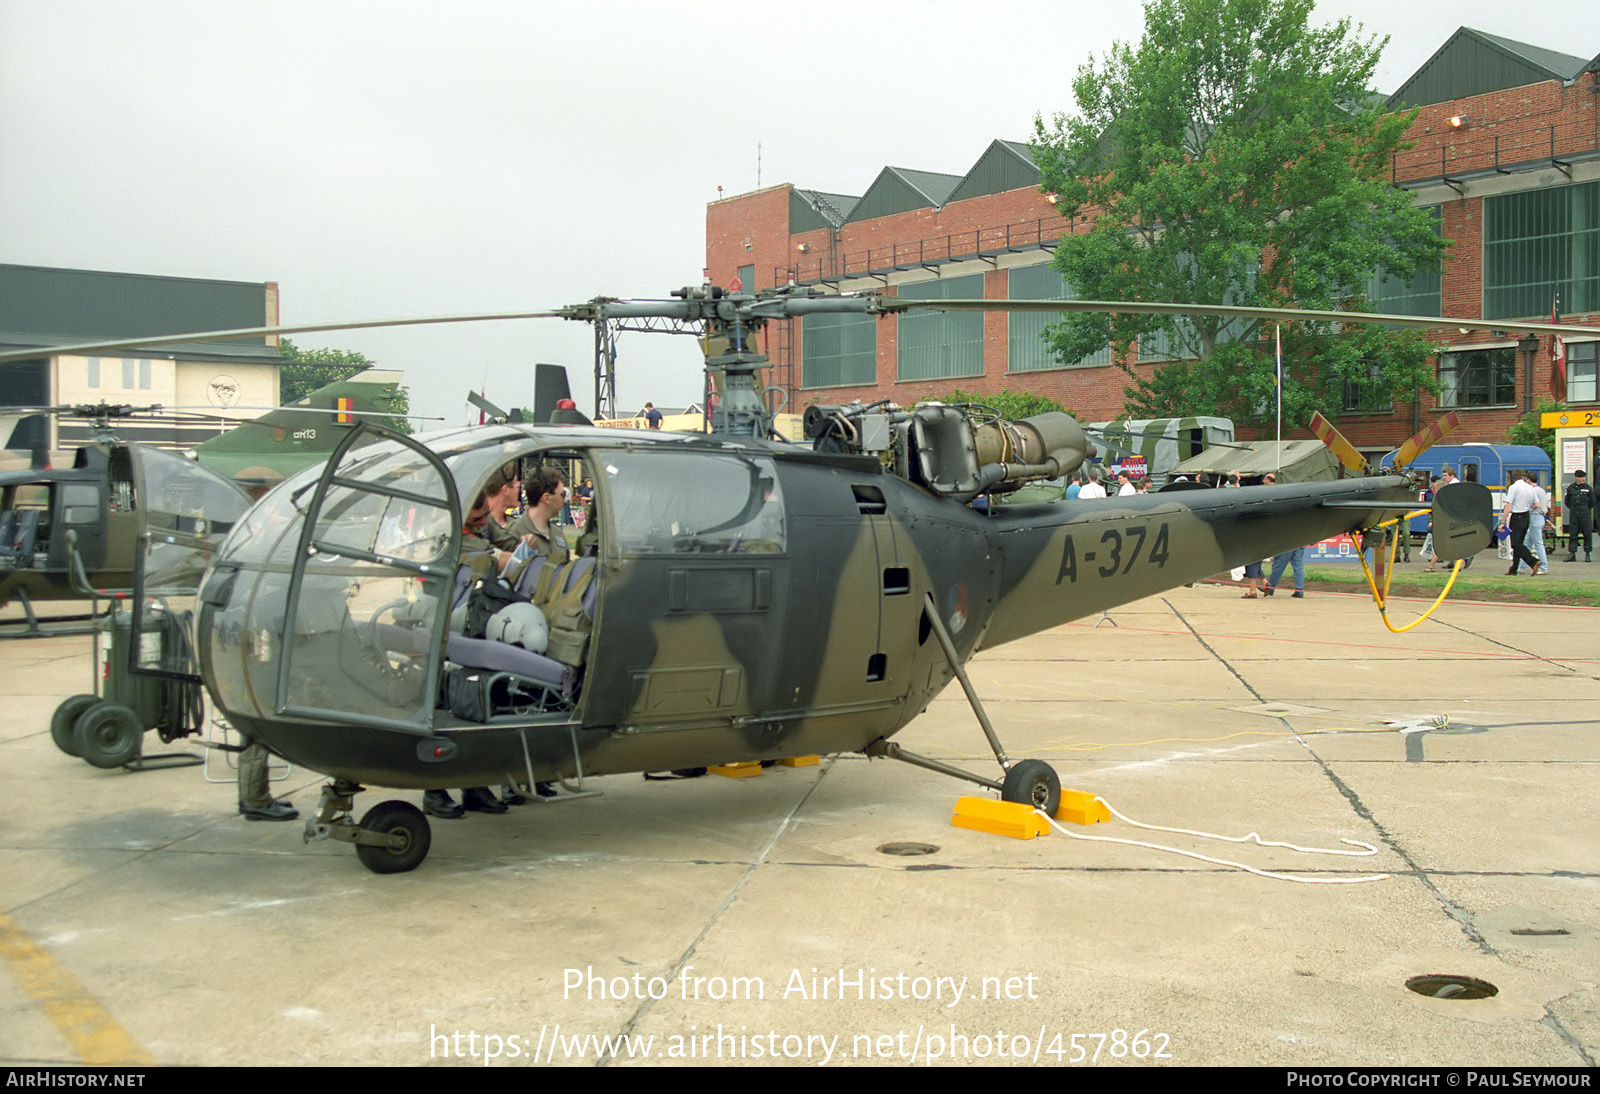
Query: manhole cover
point(1452, 987)
point(909, 849)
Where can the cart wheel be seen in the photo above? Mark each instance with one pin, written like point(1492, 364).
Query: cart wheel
point(395, 818)
point(64, 722)
point(108, 734)
point(1035, 783)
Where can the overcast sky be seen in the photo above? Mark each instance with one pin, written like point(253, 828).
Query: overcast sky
point(392, 158)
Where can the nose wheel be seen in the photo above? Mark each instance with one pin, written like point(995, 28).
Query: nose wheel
point(408, 838)
point(392, 838)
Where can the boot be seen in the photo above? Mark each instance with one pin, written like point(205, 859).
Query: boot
point(439, 803)
point(480, 799)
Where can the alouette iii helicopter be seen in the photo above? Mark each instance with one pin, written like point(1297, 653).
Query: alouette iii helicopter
point(735, 599)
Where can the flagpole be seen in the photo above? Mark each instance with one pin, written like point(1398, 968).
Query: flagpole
point(1277, 382)
point(1558, 356)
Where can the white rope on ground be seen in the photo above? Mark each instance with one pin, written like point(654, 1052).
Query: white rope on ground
point(1366, 848)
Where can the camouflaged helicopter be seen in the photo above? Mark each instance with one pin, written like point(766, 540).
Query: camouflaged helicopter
point(71, 531)
point(736, 599)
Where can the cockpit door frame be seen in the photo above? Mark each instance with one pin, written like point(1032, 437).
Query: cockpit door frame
point(443, 570)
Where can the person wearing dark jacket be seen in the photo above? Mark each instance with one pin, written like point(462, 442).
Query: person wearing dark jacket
point(1578, 505)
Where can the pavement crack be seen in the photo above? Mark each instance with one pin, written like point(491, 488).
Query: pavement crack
point(1450, 908)
point(733, 894)
point(1223, 661)
point(1515, 649)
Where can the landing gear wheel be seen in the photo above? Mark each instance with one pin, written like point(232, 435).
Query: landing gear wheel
point(1035, 783)
point(64, 721)
point(395, 818)
point(108, 734)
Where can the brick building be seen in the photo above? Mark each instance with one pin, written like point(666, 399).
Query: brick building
point(1506, 151)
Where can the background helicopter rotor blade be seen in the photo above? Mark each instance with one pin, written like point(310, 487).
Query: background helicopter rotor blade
point(1347, 453)
point(1426, 439)
point(262, 332)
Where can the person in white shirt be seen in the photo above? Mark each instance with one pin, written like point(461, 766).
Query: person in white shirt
point(1092, 487)
point(1522, 497)
point(1126, 486)
point(1536, 519)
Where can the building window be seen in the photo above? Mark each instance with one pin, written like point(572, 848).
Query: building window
point(1581, 372)
point(1479, 377)
point(1366, 396)
point(94, 371)
point(127, 374)
point(1027, 350)
point(1539, 244)
point(144, 374)
point(1388, 295)
point(937, 345)
point(838, 350)
point(747, 278)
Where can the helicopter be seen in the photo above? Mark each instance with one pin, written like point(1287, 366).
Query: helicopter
point(72, 532)
point(738, 599)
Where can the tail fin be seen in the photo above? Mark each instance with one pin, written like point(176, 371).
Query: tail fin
point(552, 397)
point(302, 434)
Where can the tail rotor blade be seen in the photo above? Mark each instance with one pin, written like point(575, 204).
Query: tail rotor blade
point(1343, 449)
point(486, 406)
point(1425, 440)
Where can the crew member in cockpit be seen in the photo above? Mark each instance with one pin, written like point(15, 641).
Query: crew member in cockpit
point(539, 525)
point(479, 552)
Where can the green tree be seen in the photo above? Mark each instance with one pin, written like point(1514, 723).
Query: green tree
point(305, 370)
point(1014, 405)
point(1528, 431)
point(1236, 155)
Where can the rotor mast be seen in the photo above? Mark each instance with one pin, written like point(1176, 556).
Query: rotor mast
point(728, 325)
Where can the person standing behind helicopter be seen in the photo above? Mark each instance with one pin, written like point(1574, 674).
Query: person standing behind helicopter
point(1578, 505)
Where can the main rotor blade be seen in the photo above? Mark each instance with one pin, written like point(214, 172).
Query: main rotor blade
point(1425, 440)
point(1228, 311)
point(262, 332)
point(1347, 453)
point(781, 306)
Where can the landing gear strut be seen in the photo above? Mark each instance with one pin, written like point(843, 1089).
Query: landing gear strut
point(1030, 782)
point(392, 838)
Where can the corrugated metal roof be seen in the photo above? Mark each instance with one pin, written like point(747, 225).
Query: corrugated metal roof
point(813, 209)
point(1004, 165)
point(1474, 63)
point(936, 185)
point(47, 306)
point(1560, 65)
point(899, 189)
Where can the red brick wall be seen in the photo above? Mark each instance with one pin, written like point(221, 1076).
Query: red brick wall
point(1516, 125)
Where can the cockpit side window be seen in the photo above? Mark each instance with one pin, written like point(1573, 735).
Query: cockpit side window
point(695, 504)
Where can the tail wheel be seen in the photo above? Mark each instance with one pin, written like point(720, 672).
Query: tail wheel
point(64, 722)
point(108, 734)
point(1035, 783)
point(408, 828)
